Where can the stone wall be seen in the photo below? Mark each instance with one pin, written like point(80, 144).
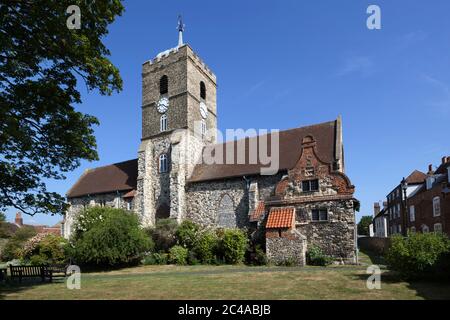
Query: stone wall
point(204, 198)
point(290, 246)
point(374, 244)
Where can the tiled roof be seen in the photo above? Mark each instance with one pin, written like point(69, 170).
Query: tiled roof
point(281, 218)
point(416, 177)
point(259, 210)
point(115, 177)
point(290, 149)
point(130, 194)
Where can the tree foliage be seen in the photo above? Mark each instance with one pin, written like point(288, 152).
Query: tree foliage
point(363, 225)
point(42, 136)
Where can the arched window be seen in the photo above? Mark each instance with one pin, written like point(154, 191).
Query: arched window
point(436, 206)
point(225, 213)
point(163, 212)
point(163, 85)
point(163, 123)
point(163, 163)
point(202, 90)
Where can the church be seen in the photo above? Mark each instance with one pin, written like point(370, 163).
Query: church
point(183, 172)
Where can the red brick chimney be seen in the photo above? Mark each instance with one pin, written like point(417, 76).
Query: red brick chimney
point(430, 170)
point(19, 221)
point(444, 160)
point(384, 204)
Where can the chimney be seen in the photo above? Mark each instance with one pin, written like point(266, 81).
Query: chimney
point(444, 160)
point(430, 170)
point(384, 204)
point(376, 208)
point(19, 221)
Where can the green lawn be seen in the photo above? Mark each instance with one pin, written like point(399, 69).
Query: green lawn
point(230, 282)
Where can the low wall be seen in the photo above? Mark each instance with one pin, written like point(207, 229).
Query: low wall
point(374, 244)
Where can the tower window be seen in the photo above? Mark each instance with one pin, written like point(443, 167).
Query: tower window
point(164, 85)
point(163, 123)
point(163, 163)
point(310, 185)
point(203, 128)
point(202, 90)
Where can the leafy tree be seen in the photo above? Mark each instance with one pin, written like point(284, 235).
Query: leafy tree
point(41, 62)
point(2, 217)
point(114, 239)
point(363, 225)
point(15, 244)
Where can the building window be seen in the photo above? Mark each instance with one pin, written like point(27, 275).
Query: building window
point(319, 215)
point(436, 207)
point(412, 213)
point(437, 227)
point(202, 90)
point(163, 123)
point(425, 229)
point(398, 210)
point(226, 217)
point(310, 185)
point(413, 229)
point(203, 129)
point(163, 163)
point(399, 228)
point(164, 85)
point(129, 205)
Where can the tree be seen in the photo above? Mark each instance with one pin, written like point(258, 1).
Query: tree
point(42, 136)
point(2, 217)
point(363, 225)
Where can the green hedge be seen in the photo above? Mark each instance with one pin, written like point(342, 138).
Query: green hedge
point(419, 254)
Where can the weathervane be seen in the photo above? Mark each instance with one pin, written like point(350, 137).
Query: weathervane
point(180, 30)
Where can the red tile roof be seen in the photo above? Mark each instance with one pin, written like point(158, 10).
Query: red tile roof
point(281, 218)
point(130, 194)
point(416, 177)
point(290, 140)
point(115, 177)
point(257, 213)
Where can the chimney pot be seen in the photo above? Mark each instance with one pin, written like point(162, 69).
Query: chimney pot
point(19, 220)
point(430, 169)
point(444, 160)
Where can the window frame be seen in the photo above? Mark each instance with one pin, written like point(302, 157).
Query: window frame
point(437, 209)
point(202, 90)
point(163, 123)
point(309, 184)
point(163, 163)
point(412, 213)
point(318, 212)
point(440, 227)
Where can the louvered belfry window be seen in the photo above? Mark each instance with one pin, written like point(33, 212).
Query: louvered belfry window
point(164, 85)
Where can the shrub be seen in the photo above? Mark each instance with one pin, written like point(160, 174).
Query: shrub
point(316, 257)
point(288, 262)
point(233, 245)
point(256, 255)
point(164, 234)
point(206, 247)
point(192, 259)
point(418, 254)
point(45, 249)
point(178, 255)
point(155, 258)
point(187, 234)
point(113, 238)
point(13, 247)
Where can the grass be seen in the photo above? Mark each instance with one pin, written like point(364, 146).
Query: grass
point(230, 282)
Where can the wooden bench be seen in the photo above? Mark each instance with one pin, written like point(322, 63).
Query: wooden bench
point(44, 272)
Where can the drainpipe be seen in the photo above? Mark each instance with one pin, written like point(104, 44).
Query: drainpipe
point(356, 238)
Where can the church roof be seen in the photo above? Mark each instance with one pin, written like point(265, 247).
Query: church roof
point(115, 177)
point(324, 135)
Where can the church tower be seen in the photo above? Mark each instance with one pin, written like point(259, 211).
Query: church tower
point(179, 117)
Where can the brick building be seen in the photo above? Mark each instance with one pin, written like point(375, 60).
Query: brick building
point(429, 205)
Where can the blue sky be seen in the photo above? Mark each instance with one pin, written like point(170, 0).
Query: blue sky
point(284, 64)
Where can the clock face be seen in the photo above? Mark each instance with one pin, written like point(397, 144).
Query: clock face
point(203, 110)
point(163, 105)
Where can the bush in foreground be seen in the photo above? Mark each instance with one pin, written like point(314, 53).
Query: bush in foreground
point(206, 247)
point(109, 237)
point(178, 255)
point(233, 245)
point(316, 257)
point(164, 234)
point(45, 249)
point(13, 247)
point(419, 254)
